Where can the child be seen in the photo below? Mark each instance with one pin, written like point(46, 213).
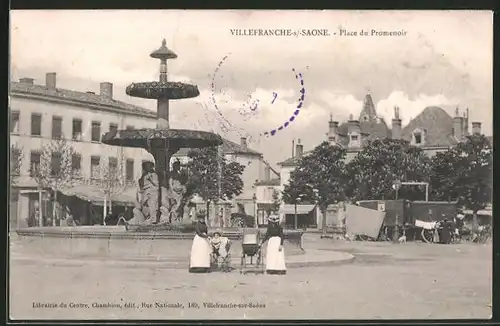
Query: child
point(220, 246)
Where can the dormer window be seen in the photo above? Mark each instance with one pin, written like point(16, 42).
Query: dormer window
point(418, 137)
point(354, 139)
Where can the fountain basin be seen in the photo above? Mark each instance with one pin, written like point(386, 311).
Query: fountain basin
point(162, 138)
point(157, 90)
point(115, 243)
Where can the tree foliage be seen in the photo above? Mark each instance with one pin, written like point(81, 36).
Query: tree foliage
point(465, 173)
point(16, 161)
point(320, 176)
point(374, 169)
point(112, 180)
point(55, 170)
point(206, 167)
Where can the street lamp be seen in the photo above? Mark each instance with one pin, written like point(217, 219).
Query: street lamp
point(296, 220)
point(396, 186)
point(254, 198)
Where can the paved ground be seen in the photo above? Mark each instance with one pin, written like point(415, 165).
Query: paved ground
point(411, 280)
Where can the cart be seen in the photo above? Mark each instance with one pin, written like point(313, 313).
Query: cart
point(251, 249)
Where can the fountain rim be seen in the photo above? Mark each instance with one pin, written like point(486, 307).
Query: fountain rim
point(139, 137)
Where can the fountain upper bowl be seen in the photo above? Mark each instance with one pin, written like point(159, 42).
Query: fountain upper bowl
point(157, 90)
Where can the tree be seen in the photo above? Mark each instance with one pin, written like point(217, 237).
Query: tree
point(16, 161)
point(111, 180)
point(465, 172)
point(55, 170)
point(320, 176)
point(276, 201)
point(212, 177)
point(374, 169)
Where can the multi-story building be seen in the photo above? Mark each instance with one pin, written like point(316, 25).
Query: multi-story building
point(41, 113)
point(433, 130)
point(256, 170)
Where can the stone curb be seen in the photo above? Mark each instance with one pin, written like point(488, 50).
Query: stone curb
point(173, 263)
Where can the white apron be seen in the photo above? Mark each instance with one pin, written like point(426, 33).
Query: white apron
point(275, 259)
point(200, 253)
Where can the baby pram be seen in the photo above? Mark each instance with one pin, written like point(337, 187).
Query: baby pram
point(221, 252)
point(251, 248)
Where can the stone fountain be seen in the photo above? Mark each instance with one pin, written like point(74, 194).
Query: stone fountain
point(164, 204)
point(145, 234)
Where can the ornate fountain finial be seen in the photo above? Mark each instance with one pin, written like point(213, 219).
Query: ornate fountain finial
point(163, 53)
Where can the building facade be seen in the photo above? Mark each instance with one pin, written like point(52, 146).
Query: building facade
point(41, 113)
point(433, 130)
point(256, 171)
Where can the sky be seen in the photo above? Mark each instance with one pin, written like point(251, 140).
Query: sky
point(249, 84)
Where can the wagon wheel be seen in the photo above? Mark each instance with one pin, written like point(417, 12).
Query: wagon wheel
point(427, 235)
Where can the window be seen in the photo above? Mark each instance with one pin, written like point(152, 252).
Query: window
point(354, 137)
point(129, 170)
point(14, 122)
point(76, 164)
point(95, 162)
point(96, 131)
point(130, 128)
point(112, 165)
point(77, 129)
point(35, 159)
point(418, 138)
point(55, 165)
point(56, 127)
point(113, 127)
point(36, 124)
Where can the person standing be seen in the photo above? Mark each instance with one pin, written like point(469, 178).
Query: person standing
point(275, 254)
point(199, 260)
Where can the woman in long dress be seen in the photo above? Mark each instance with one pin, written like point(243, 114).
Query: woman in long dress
point(199, 260)
point(275, 254)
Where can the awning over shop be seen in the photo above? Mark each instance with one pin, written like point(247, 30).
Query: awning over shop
point(95, 195)
point(301, 209)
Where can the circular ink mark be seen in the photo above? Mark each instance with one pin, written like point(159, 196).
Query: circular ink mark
point(227, 124)
point(299, 106)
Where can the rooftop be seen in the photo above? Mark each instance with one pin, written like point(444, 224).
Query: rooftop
point(19, 88)
point(437, 123)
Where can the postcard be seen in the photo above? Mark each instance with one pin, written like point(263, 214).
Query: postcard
point(250, 164)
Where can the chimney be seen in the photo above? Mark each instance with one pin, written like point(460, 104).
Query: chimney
point(396, 124)
point(243, 142)
point(466, 122)
point(476, 128)
point(457, 126)
point(27, 80)
point(332, 130)
point(50, 80)
point(267, 173)
point(107, 90)
point(299, 149)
